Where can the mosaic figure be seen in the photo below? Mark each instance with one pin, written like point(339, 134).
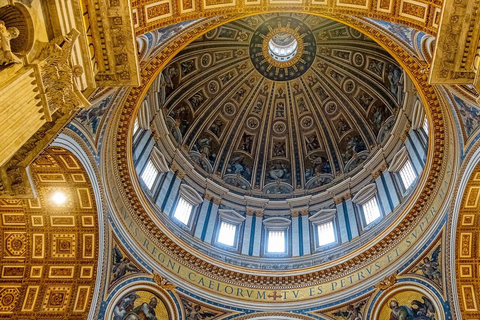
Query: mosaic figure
point(196, 100)
point(247, 143)
point(217, 127)
point(395, 79)
point(279, 149)
point(195, 312)
point(430, 266)
point(280, 110)
point(417, 311)
point(121, 264)
point(126, 309)
point(311, 142)
point(353, 312)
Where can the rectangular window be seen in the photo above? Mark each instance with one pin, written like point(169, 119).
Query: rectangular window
point(425, 125)
point(407, 174)
point(183, 211)
point(326, 233)
point(276, 241)
point(149, 174)
point(227, 232)
point(371, 211)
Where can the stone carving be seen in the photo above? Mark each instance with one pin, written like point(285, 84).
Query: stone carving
point(58, 75)
point(6, 55)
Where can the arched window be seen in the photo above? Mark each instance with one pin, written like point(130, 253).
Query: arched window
point(155, 165)
point(276, 241)
point(371, 211)
point(425, 126)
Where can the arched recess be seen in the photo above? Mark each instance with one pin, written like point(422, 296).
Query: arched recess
point(50, 244)
point(465, 233)
point(275, 316)
point(70, 141)
point(422, 15)
point(141, 298)
point(407, 297)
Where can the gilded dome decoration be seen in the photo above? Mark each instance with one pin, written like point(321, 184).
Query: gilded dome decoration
point(240, 160)
point(282, 48)
point(241, 156)
point(281, 128)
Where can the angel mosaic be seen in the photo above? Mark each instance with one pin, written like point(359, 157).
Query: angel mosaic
point(121, 265)
point(205, 148)
point(195, 312)
point(352, 312)
point(430, 266)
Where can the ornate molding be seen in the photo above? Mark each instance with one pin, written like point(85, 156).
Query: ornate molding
point(387, 282)
point(163, 282)
point(425, 198)
point(457, 44)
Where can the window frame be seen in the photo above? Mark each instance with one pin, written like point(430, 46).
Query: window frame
point(361, 198)
point(322, 217)
point(364, 215)
point(192, 197)
point(157, 173)
point(398, 162)
point(277, 224)
point(158, 160)
point(234, 218)
point(409, 163)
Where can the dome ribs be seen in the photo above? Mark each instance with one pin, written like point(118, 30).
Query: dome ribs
point(435, 171)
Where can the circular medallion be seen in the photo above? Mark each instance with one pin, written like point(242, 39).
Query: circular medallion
point(252, 123)
point(213, 86)
point(331, 107)
point(306, 122)
point(206, 60)
point(279, 127)
point(358, 59)
point(349, 86)
point(282, 48)
point(229, 109)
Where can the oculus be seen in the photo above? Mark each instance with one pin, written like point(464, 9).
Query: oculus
point(282, 48)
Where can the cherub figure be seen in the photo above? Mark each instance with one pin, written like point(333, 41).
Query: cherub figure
point(353, 312)
point(195, 312)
